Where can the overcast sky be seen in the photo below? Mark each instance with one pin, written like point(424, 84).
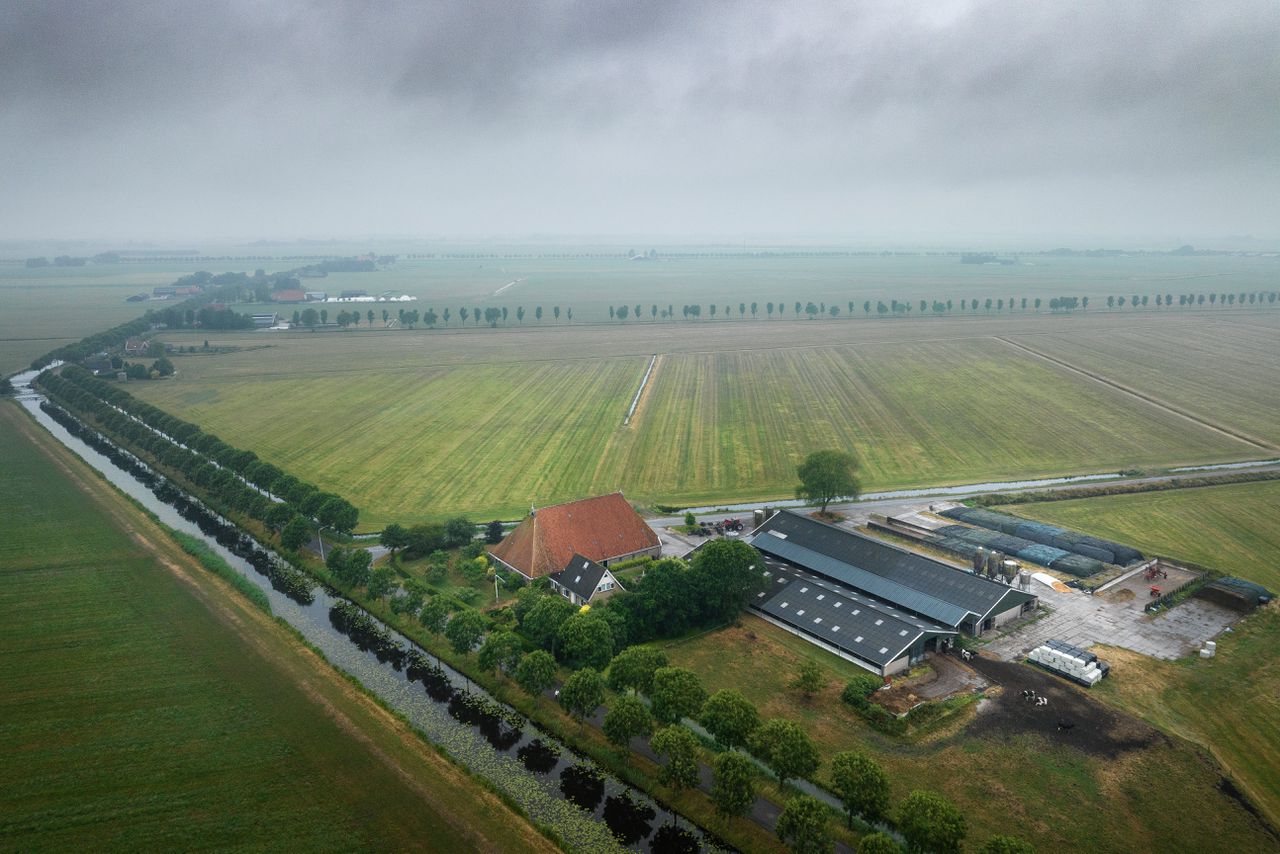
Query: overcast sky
point(895, 121)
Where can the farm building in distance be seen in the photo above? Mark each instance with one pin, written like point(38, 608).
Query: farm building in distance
point(583, 580)
point(604, 529)
point(868, 601)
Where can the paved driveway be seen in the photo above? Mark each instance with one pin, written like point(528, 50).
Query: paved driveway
point(1084, 620)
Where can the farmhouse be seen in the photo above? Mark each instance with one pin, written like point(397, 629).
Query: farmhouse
point(604, 529)
point(871, 602)
point(289, 295)
point(583, 580)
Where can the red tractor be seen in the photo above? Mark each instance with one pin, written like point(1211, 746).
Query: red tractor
point(732, 525)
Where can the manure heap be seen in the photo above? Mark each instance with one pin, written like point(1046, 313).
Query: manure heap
point(1058, 548)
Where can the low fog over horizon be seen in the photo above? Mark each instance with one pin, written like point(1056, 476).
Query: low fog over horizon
point(1142, 125)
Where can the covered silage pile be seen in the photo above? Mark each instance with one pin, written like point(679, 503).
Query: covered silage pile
point(965, 541)
point(1074, 542)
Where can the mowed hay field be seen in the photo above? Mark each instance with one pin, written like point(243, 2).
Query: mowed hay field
point(1162, 797)
point(1223, 372)
point(1231, 703)
point(930, 412)
point(139, 715)
point(488, 439)
point(410, 426)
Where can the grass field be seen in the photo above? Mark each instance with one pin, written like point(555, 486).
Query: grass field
point(1212, 370)
point(147, 708)
point(1231, 703)
point(47, 307)
point(1234, 528)
point(1020, 785)
point(419, 425)
point(930, 412)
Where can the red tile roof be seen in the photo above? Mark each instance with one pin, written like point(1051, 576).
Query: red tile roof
point(600, 529)
point(289, 295)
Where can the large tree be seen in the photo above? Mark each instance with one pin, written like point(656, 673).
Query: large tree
point(585, 641)
point(826, 476)
point(633, 669)
point(393, 538)
point(583, 692)
point(676, 694)
point(929, 822)
point(786, 748)
point(862, 786)
point(296, 534)
point(536, 672)
point(803, 825)
point(733, 784)
point(459, 531)
point(724, 575)
point(626, 719)
point(680, 747)
point(500, 650)
point(433, 615)
point(464, 631)
point(729, 717)
point(542, 623)
point(810, 679)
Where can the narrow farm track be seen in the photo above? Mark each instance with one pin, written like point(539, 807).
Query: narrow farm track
point(1154, 401)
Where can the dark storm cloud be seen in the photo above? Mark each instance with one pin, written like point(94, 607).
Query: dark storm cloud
point(862, 118)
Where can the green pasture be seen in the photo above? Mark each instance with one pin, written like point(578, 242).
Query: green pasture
point(592, 285)
point(418, 425)
point(134, 719)
point(1233, 528)
point(487, 440)
point(1231, 703)
point(936, 412)
point(1223, 372)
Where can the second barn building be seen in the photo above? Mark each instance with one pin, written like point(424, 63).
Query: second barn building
point(875, 604)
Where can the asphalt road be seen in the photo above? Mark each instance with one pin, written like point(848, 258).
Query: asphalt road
point(858, 511)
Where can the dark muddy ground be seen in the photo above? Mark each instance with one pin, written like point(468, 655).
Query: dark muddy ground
point(1071, 717)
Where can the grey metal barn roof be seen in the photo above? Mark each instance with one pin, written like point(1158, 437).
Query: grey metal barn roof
point(905, 579)
point(580, 575)
point(859, 625)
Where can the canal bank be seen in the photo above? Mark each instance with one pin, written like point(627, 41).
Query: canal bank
point(587, 808)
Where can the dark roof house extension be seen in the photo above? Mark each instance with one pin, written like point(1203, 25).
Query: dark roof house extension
point(583, 579)
point(602, 529)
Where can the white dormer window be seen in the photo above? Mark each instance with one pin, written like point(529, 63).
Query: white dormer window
point(783, 605)
point(821, 596)
point(858, 639)
point(835, 628)
point(879, 622)
point(804, 589)
point(837, 605)
point(883, 650)
point(800, 613)
point(817, 619)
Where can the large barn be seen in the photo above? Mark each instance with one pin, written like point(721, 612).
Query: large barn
point(869, 601)
point(605, 529)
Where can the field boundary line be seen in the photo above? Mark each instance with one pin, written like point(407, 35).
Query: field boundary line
point(1154, 401)
point(644, 383)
